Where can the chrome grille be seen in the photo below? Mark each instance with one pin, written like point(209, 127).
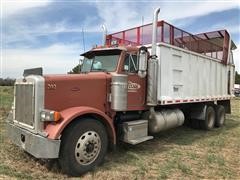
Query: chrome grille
point(24, 104)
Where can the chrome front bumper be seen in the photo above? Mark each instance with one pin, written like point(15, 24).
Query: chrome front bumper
point(36, 145)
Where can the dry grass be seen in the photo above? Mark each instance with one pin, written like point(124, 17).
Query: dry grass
point(181, 153)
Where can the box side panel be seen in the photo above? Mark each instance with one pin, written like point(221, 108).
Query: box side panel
point(184, 75)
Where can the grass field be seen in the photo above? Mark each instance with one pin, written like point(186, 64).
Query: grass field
point(182, 153)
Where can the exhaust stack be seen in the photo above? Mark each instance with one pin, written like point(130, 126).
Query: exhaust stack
point(104, 35)
point(153, 65)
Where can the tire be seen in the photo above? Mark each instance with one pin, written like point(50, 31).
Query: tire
point(83, 147)
point(209, 121)
point(220, 116)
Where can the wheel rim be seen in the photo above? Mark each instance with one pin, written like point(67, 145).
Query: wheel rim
point(210, 119)
point(87, 148)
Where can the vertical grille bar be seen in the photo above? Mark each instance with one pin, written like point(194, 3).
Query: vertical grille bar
point(24, 104)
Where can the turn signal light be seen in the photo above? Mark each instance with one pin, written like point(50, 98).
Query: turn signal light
point(57, 116)
point(48, 115)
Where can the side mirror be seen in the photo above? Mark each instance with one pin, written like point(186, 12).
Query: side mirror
point(142, 58)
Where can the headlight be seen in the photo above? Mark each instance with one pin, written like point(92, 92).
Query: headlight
point(48, 115)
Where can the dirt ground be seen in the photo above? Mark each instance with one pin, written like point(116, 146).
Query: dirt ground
point(182, 153)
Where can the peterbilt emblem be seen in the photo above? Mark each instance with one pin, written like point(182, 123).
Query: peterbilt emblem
point(51, 86)
point(133, 87)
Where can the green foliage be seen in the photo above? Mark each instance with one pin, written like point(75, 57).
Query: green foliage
point(7, 82)
point(237, 78)
point(75, 70)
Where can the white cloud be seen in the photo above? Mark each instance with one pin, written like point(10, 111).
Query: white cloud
point(18, 30)
point(116, 16)
point(23, 32)
point(55, 59)
point(174, 11)
point(13, 6)
point(29, 34)
point(124, 15)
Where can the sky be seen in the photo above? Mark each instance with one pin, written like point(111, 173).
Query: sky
point(53, 33)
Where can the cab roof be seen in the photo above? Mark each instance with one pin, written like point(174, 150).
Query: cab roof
point(106, 48)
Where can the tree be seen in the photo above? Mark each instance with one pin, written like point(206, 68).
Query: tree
point(237, 78)
point(75, 70)
point(7, 82)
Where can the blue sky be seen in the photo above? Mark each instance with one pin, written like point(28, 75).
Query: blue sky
point(48, 33)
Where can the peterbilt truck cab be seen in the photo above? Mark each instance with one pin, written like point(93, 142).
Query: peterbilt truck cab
point(129, 89)
point(47, 108)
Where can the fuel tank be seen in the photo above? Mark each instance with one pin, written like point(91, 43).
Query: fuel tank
point(163, 119)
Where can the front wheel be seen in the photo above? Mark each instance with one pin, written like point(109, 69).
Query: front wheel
point(83, 147)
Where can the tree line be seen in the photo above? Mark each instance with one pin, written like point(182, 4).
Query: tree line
point(7, 82)
point(237, 78)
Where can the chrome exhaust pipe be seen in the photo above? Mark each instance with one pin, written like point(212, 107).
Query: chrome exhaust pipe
point(153, 65)
point(154, 31)
point(104, 35)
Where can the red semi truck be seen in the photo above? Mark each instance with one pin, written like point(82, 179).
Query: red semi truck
point(141, 81)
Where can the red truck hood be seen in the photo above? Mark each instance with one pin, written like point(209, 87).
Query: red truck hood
point(72, 90)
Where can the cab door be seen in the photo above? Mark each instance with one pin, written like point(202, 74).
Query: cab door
point(136, 85)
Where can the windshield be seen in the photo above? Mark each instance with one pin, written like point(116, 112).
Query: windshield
point(101, 61)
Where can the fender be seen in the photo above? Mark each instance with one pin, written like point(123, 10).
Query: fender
point(54, 130)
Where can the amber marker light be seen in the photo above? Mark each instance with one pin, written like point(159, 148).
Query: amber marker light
point(57, 116)
point(48, 115)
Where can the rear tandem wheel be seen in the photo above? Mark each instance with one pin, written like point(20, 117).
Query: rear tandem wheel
point(220, 116)
point(209, 121)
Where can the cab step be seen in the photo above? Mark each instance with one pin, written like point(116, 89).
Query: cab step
point(135, 132)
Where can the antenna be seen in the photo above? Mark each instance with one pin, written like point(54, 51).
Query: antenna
point(142, 30)
point(83, 40)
